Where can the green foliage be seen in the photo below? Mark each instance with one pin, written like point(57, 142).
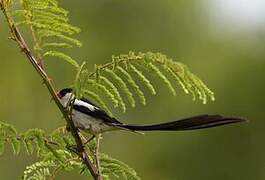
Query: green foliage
point(162, 77)
point(8, 134)
point(38, 171)
point(120, 80)
point(62, 56)
point(124, 77)
point(114, 167)
point(55, 154)
point(142, 78)
point(112, 89)
point(121, 85)
point(50, 28)
point(133, 84)
point(33, 138)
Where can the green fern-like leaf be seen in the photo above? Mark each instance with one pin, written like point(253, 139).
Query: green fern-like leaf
point(122, 85)
point(50, 27)
point(104, 90)
point(118, 78)
point(114, 167)
point(37, 136)
point(8, 127)
point(62, 56)
point(142, 78)
point(28, 146)
point(51, 150)
point(163, 77)
point(31, 139)
point(38, 171)
point(8, 133)
point(113, 89)
point(132, 82)
point(15, 145)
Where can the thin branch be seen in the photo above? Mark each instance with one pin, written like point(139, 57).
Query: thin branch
point(111, 64)
point(59, 167)
point(56, 170)
point(119, 61)
point(97, 154)
point(40, 59)
point(46, 80)
point(46, 140)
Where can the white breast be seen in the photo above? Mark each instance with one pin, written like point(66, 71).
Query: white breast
point(86, 122)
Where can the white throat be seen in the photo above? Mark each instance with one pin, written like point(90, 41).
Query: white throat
point(65, 99)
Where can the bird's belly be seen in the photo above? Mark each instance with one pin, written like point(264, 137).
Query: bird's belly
point(86, 122)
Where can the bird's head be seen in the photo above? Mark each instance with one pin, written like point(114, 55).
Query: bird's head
point(64, 95)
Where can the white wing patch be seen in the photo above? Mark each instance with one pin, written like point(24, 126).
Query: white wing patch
point(85, 104)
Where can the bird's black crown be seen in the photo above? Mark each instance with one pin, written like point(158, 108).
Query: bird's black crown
point(64, 91)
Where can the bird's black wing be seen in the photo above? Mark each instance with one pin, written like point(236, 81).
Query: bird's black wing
point(89, 102)
point(96, 112)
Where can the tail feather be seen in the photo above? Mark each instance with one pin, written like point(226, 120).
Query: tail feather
point(192, 123)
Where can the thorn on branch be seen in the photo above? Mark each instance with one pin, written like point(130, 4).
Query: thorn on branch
point(24, 50)
point(12, 38)
point(89, 140)
point(40, 63)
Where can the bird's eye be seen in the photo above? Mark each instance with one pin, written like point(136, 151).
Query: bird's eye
point(59, 95)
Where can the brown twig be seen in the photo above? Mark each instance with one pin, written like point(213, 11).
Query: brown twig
point(97, 154)
point(58, 168)
point(46, 80)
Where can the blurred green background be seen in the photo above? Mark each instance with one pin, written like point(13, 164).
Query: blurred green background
point(222, 41)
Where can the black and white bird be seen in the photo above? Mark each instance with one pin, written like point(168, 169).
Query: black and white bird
point(90, 117)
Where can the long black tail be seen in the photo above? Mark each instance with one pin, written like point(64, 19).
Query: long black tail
point(196, 122)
